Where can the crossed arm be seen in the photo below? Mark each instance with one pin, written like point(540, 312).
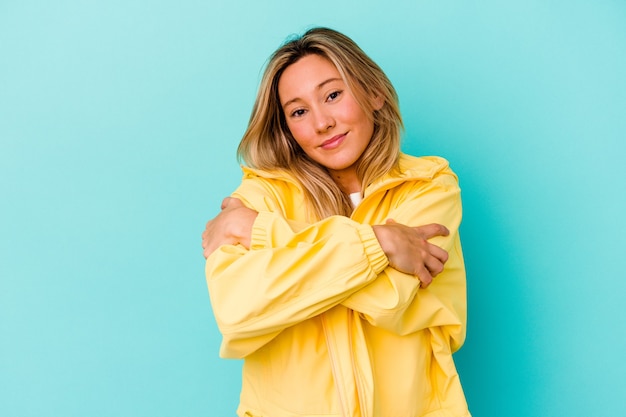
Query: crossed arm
point(266, 273)
point(407, 248)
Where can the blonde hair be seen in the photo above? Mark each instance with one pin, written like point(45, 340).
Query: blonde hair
point(268, 144)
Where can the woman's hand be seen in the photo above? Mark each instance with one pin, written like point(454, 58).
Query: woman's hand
point(232, 225)
point(410, 252)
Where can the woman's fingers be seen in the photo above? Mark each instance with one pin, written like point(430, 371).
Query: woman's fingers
point(424, 277)
point(232, 225)
point(231, 202)
point(438, 253)
point(428, 231)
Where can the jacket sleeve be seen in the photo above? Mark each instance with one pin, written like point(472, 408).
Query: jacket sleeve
point(394, 301)
point(291, 273)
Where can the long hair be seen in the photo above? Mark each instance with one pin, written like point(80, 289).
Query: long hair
point(268, 144)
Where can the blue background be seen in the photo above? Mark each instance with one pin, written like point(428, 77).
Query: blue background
point(119, 122)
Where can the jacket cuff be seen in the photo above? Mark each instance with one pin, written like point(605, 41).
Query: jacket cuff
point(373, 250)
point(258, 239)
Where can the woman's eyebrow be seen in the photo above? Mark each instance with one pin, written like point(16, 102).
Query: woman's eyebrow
point(319, 87)
point(330, 80)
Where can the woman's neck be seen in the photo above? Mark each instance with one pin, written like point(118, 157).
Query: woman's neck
point(347, 181)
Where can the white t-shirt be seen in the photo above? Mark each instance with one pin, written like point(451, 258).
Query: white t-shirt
point(356, 199)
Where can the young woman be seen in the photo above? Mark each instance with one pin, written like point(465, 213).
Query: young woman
point(320, 265)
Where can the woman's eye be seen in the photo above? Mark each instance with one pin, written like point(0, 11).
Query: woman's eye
point(297, 113)
point(333, 96)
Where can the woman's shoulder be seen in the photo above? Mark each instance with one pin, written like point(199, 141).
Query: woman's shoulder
point(423, 167)
point(261, 184)
point(267, 176)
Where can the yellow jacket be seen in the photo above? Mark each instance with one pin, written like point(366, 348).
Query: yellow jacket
point(325, 326)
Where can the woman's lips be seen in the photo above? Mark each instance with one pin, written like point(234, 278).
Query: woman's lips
point(333, 142)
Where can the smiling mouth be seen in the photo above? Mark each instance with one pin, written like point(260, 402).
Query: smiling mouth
point(333, 142)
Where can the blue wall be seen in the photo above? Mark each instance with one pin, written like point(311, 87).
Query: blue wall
point(119, 122)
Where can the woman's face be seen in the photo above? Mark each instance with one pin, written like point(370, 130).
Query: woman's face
point(325, 118)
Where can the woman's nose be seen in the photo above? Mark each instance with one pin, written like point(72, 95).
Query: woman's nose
point(324, 121)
